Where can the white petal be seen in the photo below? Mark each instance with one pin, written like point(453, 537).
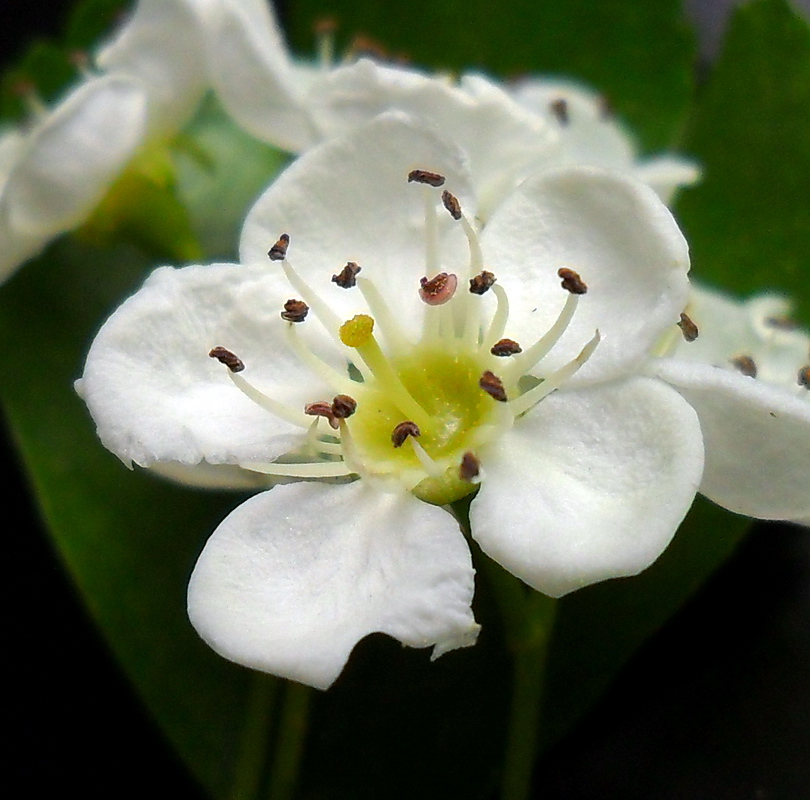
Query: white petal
point(295, 577)
point(72, 158)
point(349, 200)
point(757, 440)
point(591, 484)
point(623, 242)
point(155, 394)
point(666, 174)
point(17, 247)
point(254, 78)
point(163, 46)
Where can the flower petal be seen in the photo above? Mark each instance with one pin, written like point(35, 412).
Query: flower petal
point(589, 485)
point(71, 159)
point(623, 242)
point(666, 174)
point(296, 576)
point(349, 200)
point(157, 396)
point(757, 440)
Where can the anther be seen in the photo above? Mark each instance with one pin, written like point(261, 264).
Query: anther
point(559, 108)
point(428, 178)
point(343, 406)
point(363, 45)
point(505, 347)
point(438, 290)
point(781, 323)
point(322, 409)
point(746, 365)
point(403, 431)
point(493, 386)
point(470, 468)
point(229, 359)
point(606, 109)
point(347, 277)
point(356, 331)
point(482, 282)
point(325, 25)
point(571, 281)
point(451, 203)
point(295, 311)
point(278, 252)
point(688, 328)
point(804, 377)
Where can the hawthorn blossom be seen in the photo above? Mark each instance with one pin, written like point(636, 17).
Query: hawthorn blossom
point(389, 358)
point(57, 170)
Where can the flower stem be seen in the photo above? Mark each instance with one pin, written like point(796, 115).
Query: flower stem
point(290, 745)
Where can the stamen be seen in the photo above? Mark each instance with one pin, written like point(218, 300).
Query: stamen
point(450, 202)
point(433, 469)
point(322, 409)
point(606, 109)
point(522, 404)
point(229, 359)
point(318, 469)
point(482, 282)
point(437, 291)
point(343, 406)
point(394, 335)
point(325, 32)
point(426, 177)
point(356, 331)
point(746, 365)
point(281, 410)
point(347, 277)
point(295, 311)
point(470, 468)
point(571, 281)
point(505, 347)
point(338, 381)
point(498, 323)
point(804, 377)
point(559, 108)
point(493, 386)
point(688, 328)
point(403, 431)
point(781, 323)
point(278, 252)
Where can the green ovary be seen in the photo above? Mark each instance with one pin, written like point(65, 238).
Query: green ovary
point(446, 387)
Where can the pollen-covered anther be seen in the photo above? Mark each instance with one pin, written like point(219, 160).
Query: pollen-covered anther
point(470, 468)
point(493, 386)
point(482, 282)
point(322, 409)
point(559, 108)
point(505, 347)
point(781, 323)
point(226, 357)
point(295, 311)
point(405, 429)
point(688, 328)
point(438, 290)
point(804, 377)
point(357, 331)
point(278, 252)
point(571, 281)
point(746, 365)
point(343, 406)
point(347, 277)
point(426, 177)
point(450, 202)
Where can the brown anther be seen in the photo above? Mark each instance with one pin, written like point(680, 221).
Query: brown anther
point(325, 25)
point(505, 347)
point(606, 109)
point(451, 204)
point(746, 365)
point(559, 108)
point(226, 357)
point(363, 45)
point(403, 431)
point(782, 323)
point(688, 328)
point(295, 311)
point(343, 406)
point(470, 468)
point(347, 277)
point(322, 409)
point(804, 377)
point(428, 178)
point(438, 290)
point(278, 252)
point(493, 386)
point(571, 281)
point(79, 59)
point(482, 282)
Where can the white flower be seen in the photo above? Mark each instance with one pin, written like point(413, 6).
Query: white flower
point(62, 166)
point(296, 105)
point(583, 465)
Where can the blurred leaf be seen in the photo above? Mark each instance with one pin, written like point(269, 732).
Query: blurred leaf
point(748, 222)
point(638, 53)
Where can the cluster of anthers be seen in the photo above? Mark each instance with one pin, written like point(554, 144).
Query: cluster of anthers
point(416, 412)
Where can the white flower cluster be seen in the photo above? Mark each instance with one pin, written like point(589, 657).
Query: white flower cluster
point(458, 289)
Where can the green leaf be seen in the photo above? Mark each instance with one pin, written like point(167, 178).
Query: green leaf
point(748, 222)
point(597, 41)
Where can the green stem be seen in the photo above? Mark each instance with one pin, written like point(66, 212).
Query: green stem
point(290, 746)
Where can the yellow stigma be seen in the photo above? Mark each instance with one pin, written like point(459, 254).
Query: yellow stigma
point(356, 331)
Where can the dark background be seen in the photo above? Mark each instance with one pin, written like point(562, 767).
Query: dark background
point(716, 705)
